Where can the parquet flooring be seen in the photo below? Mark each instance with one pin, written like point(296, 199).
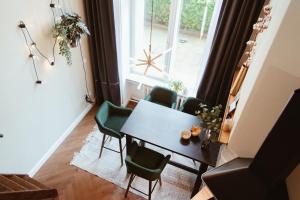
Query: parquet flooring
point(73, 183)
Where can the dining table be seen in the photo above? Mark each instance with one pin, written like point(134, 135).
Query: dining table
point(162, 126)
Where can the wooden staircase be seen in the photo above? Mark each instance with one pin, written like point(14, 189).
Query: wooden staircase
point(22, 187)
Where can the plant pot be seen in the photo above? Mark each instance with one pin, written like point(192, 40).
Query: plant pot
point(75, 42)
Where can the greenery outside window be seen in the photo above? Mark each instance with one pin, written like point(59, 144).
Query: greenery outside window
point(181, 25)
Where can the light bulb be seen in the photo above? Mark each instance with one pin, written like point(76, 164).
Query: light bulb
point(22, 24)
point(53, 5)
point(33, 45)
point(33, 56)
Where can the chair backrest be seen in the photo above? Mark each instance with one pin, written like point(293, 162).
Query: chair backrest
point(163, 95)
point(102, 114)
point(190, 105)
point(280, 152)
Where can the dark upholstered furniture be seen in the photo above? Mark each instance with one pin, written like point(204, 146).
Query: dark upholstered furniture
point(145, 163)
point(162, 96)
point(262, 178)
point(190, 105)
point(110, 119)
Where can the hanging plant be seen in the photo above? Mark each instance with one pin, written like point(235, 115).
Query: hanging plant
point(68, 31)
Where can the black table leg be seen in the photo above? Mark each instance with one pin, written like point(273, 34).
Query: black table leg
point(202, 169)
point(128, 143)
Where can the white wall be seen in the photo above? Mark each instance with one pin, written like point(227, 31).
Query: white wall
point(271, 80)
point(33, 117)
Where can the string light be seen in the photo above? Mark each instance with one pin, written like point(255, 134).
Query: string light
point(54, 6)
point(32, 46)
point(23, 26)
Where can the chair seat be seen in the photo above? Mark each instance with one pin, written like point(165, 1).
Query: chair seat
point(145, 163)
point(147, 158)
point(115, 123)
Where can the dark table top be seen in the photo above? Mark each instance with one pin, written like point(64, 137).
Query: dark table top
point(162, 126)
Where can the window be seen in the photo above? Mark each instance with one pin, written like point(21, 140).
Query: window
point(180, 29)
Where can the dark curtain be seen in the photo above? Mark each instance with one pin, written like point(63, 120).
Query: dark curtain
point(233, 30)
point(100, 20)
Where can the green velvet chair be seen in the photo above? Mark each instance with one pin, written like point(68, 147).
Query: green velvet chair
point(162, 96)
point(145, 163)
point(190, 105)
point(110, 119)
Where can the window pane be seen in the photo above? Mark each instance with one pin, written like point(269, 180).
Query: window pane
point(161, 13)
point(195, 20)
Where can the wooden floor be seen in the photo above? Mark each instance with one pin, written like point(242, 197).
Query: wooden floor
point(73, 183)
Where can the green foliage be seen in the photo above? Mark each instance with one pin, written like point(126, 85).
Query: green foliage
point(191, 17)
point(210, 116)
point(65, 51)
point(68, 32)
point(161, 11)
point(176, 85)
point(193, 14)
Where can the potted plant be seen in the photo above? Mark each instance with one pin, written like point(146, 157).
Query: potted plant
point(68, 31)
point(176, 85)
point(211, 121)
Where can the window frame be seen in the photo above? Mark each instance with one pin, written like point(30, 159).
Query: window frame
point(136, 37)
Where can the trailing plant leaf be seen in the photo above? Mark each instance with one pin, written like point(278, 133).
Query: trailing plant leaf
point(65, 51)
point(68, 32)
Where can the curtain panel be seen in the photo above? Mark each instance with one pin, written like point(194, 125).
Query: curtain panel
point(102, 42)
point(233, 30)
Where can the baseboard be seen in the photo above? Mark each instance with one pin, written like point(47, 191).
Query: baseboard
point(53, 148)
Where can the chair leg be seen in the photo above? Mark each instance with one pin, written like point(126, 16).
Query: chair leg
point(121, 151)
point(142, 143)
point(150, 189)
point(129, 183)
point(159, 179)
point(194, 162)
point(103, 141)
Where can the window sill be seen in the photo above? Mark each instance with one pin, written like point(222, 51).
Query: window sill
point(151, 82)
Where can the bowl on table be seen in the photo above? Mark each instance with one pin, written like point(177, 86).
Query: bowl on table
point(186, 134)
point(196, 131)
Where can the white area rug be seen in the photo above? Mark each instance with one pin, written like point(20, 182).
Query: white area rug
point(176, 183)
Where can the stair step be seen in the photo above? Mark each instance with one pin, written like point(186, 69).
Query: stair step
point(23, 182)
point(36, 183)
point(22, 187)
point(11, 185)
point(3, 188)
point(29, 195)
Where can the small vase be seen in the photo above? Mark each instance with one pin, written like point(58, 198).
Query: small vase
point(206, 139)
